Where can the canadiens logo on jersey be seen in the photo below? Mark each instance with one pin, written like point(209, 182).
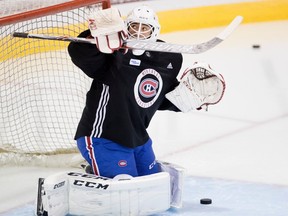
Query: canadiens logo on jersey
point(147, 87)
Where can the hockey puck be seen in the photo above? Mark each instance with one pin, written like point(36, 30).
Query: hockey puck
point(206, 201)
point(256, 46)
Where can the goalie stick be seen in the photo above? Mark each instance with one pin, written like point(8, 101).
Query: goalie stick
point(150, 46)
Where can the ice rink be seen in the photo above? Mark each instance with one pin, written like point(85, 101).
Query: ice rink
point(236, 153)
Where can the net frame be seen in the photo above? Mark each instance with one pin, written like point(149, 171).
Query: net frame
point(39, 69)
point(45, 10)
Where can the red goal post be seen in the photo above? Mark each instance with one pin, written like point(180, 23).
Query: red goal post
point(48, 10)
point(42, 93)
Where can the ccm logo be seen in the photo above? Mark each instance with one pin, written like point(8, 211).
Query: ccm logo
point(59, 185)
point(90, 184)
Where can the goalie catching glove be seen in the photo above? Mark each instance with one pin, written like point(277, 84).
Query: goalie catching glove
point(108, 29)
point(199, 86)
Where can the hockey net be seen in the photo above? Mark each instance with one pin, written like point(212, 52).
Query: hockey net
point(42, 93)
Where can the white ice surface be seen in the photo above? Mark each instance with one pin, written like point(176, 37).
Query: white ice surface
point(236, 153)
point(244, 137)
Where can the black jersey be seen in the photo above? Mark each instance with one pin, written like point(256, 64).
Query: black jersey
point(125, 93)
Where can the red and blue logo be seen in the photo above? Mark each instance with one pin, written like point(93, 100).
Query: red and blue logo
point(147, 87)
point(122, 163)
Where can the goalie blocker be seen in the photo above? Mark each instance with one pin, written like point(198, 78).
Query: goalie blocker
point(77, 193)
point(108, 29)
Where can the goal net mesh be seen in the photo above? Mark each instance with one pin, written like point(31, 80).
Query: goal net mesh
point(42, 93)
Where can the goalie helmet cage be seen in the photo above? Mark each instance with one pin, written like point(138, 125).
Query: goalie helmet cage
point(42, 93)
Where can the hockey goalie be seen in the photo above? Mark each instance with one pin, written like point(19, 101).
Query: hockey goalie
point(128, 87)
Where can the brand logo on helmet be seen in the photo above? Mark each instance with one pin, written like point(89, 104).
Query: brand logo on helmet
point(143, 17)
point(147, 87)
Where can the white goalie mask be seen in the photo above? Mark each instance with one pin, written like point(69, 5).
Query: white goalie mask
point(142, 24)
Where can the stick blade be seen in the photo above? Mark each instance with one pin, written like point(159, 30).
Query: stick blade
point(230, 28)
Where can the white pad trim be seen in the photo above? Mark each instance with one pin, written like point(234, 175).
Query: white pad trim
point(176, 182)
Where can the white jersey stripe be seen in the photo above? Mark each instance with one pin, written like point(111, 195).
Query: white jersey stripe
point(100, 112)
point(103, 113)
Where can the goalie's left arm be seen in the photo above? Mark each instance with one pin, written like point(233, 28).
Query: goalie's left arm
point(199, 86)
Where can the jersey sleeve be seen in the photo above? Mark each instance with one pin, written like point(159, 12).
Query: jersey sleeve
point(176, 60)
point(88, 58)
point(167, 105)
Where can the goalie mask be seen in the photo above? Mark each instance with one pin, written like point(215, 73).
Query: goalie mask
point(142, 24)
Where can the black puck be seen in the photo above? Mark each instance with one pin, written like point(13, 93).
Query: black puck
point(256, 46)
point(206, 201)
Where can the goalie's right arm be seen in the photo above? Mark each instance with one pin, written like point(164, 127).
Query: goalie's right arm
point(88, 58)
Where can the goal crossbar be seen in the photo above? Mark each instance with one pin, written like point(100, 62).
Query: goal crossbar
point(27, 15)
